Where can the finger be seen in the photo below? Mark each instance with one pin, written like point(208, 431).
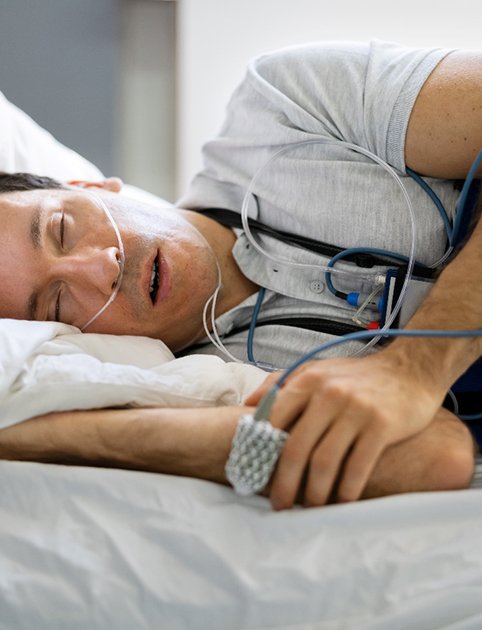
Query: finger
point(327, 459)
point(295, 396)
point(295, 456)
point(254, 397)
point(289, 405)
point(360, 465)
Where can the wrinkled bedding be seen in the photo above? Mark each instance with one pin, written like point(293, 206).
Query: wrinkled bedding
point(90, 548)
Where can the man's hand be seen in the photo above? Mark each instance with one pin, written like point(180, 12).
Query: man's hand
point(342, 414)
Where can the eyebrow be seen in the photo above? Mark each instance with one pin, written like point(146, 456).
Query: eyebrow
point(35, 228)
point(36, 239)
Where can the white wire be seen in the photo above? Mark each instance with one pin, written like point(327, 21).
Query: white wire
point(214, 338)
point(122, 258)
point(445, 256)
point(380, 162)
point(205, 322)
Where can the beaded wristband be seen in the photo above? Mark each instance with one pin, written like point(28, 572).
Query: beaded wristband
point(255, 450)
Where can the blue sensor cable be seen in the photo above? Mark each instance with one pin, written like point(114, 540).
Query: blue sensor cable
point(266, 403)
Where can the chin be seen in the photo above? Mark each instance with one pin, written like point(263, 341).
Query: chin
point(191, 332)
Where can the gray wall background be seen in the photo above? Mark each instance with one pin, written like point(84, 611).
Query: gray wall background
point(60, 62)
point(99, 75)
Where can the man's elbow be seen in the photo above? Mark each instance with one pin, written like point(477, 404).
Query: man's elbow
point(455, 468)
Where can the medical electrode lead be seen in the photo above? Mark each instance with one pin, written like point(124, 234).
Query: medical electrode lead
point(257, 445)
point(459, 216)
point(264, 407)
point(267, 401)
point(354, 298)
point(327, 268)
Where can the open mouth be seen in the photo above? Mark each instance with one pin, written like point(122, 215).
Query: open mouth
point(155, 280)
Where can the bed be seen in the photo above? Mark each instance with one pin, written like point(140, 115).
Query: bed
point(103, 548)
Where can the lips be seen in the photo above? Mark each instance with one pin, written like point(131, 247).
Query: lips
point(158, 281)
point(154, 284)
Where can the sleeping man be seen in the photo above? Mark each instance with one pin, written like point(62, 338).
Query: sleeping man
point(359, 426)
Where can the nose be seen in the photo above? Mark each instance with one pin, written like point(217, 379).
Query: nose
point(96, 269)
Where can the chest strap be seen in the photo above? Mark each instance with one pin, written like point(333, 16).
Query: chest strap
point(232, 219)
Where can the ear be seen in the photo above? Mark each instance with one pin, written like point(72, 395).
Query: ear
point(112, 184)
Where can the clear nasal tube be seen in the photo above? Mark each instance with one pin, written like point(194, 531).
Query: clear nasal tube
point(122, 258)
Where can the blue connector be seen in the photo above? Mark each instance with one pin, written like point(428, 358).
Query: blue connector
point(356, 299)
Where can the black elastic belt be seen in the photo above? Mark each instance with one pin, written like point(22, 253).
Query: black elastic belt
point(317, 324)
point(232, 219)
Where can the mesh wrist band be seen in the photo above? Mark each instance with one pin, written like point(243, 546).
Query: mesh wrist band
point(255, 450)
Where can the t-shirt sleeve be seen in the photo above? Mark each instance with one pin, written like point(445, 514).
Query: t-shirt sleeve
point(359, 93)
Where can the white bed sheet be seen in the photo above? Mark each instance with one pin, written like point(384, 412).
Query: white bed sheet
point(96, 548)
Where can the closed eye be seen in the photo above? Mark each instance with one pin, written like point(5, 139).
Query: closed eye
point(57, 307)
point(62, 229)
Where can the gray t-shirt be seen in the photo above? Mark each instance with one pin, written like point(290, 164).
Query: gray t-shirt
point(357, 93)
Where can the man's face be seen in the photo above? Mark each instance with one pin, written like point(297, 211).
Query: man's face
point(59, 259)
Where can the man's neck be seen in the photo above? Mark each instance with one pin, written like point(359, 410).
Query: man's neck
point(235, 286)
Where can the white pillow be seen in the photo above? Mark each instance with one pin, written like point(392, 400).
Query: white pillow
point(47, 366)
point(26, 147)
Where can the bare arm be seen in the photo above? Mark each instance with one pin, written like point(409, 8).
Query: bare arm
point(454, 303)
point(196, 443)
point(443, 138)
point(191, 442)
point(445, 129)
